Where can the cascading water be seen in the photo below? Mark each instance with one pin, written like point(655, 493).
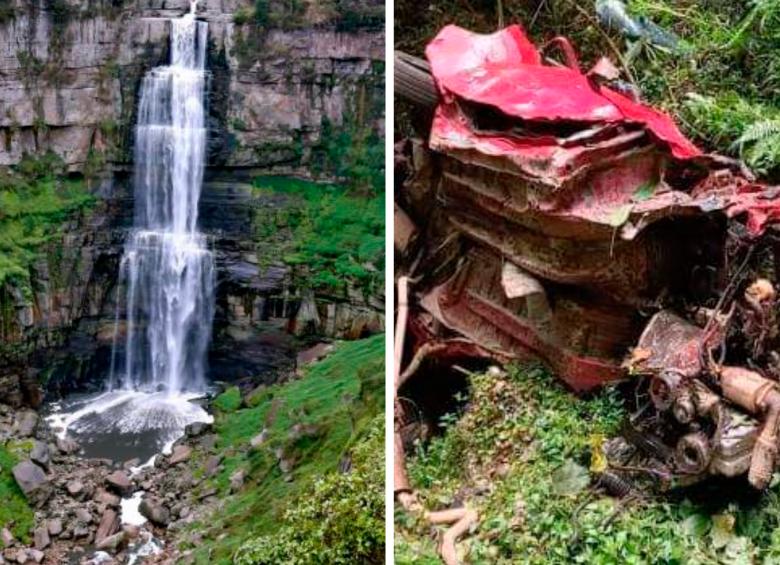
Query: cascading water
point(167, 271)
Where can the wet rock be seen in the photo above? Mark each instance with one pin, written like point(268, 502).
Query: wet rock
point(181, 453)
point(128, 465)
point(119, 481)
point(41, 538)
point(54, 527)
point(112, 543)
point(67, 446)
point(132, 532)
point(7, 537)
point(197, 429)
point(109, 525)
point(155, 512)
point(40, 454)
point(33, 482)
point(26, 423)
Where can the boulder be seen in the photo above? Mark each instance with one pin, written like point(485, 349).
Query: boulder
point(76, 489)
point(212, 464)
point(41, 538)
point(83, 515)
point(67, 446)
point(105, 497)
point(40, 454)
point(33, 482)
point(119, 481)
point(26, 423)
point(237, 480)
point(197, 429)
point(7, 537)
point(181, 453)
point(36, 555)
point(155, 512)
point(109, 525)
point(54, 527)
point(112, 543)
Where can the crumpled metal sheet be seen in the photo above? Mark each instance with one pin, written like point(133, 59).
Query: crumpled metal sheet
point(575, 152)
point(505, 71)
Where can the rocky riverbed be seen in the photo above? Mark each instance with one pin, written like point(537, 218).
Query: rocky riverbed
point(96, 511)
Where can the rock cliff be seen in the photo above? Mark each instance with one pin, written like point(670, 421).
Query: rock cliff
point(282, 87)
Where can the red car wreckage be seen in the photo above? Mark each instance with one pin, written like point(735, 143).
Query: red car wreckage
point(553, 217)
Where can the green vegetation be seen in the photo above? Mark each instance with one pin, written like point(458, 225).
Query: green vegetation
point(336, 236)
point(521, 453)
point(312, 422)
point(339, 521)
point(15, 513)
point(229, 401)
point(722, 85)
point(34, 202)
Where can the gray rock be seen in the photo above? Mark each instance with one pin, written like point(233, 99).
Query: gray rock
point(22, 556)
point(54, 527)
point(212, 464)
point(208, 442)
point(259, 439)
point(119, 481)
point(33, 482)
point(109, 525)
point(41, 538)
point(181, 453)
point(40, 454)
point(237, 480)
point(83, 515)
point(80, 531)
point(26, 423)
point(105, 497)
point(76, 489)
point(155, 512)
point(128, 465)
point(7, 537)
point(197, 429)
point(67, 446)
point(112, 543)
point(36, 555)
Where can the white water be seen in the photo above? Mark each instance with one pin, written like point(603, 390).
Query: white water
point(166, 273)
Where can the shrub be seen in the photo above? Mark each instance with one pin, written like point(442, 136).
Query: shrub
point(339, 521)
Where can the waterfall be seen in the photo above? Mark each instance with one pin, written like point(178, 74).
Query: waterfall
point(166, 274)
point(167, 270)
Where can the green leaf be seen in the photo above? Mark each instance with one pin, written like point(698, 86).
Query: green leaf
point(619, 216)
point(570, 478)
point(722, 531)
point(696, 525)
point(644, 192)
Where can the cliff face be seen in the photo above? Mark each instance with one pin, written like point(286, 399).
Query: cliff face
point(279, 94)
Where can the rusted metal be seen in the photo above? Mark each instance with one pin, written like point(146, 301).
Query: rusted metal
point(567, 223)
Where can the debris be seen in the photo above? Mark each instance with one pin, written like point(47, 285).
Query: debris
point(614, 15)
point(556, 219)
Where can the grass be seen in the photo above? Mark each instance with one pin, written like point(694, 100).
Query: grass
point(506, 457)
point(15, 513)
point(334, 404)
point(334, 236)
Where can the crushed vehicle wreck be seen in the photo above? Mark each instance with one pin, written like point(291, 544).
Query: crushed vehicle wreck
point(551, 217)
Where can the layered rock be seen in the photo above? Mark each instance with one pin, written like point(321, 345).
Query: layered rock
point(69, 82)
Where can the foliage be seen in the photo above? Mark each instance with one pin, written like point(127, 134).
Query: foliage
point(242, 16)
point(229, 401)
point(15, 513)
point(340, 520)
point(522, 434)
point(337, 236)
point(355, 152)
point(261, 13)
point(731, 55)
point(338, 398)
point(33, 205)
